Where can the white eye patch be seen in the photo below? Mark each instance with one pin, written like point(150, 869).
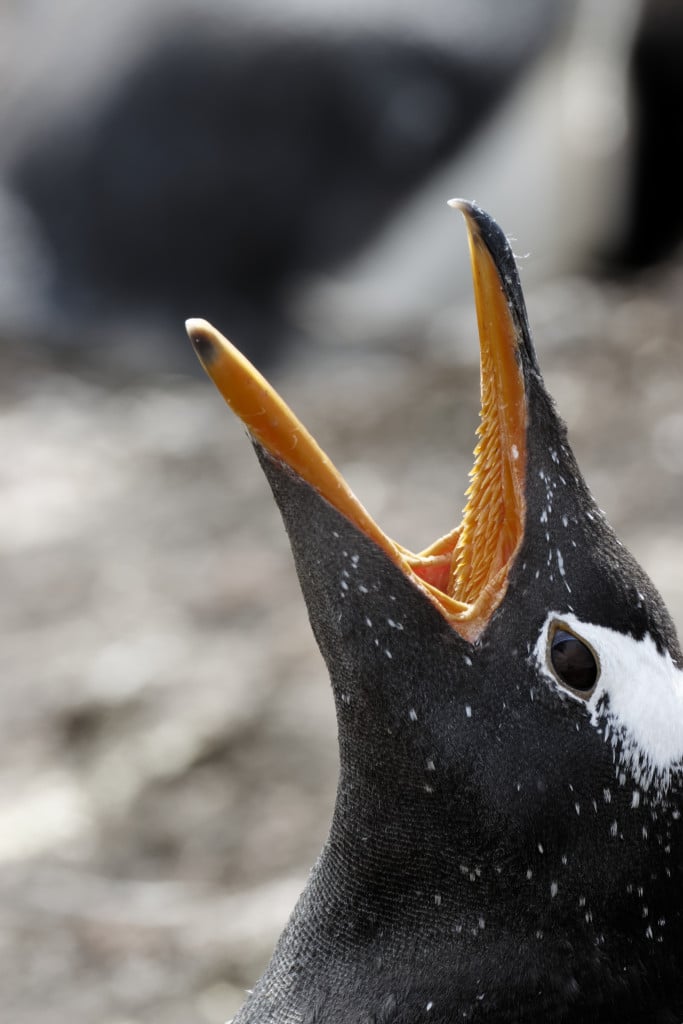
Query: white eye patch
point(637, 703)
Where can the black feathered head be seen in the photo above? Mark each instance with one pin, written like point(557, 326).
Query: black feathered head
point(506, 840)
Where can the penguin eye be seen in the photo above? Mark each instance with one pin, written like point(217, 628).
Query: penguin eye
point(574, 663)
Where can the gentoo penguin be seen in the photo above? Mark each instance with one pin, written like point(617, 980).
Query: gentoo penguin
point(506, 843)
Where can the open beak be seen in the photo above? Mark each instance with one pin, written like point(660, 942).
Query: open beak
point(465, 574)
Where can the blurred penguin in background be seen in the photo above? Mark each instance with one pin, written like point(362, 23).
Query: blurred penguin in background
point(275, 168)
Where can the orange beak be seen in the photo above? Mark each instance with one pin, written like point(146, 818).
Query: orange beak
point(465, 574)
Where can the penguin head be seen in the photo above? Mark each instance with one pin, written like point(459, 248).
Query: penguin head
point(506, 836)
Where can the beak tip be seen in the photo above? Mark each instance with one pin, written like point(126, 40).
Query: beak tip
point(470, 211)
point(201, 334)
point(466, 206)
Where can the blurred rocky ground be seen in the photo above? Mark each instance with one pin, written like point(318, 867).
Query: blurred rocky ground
point(167, 732)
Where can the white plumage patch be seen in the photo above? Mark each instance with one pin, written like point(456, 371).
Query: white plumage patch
point(637, 703)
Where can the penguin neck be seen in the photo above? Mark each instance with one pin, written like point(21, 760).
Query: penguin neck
point(399, 925)
point(384, 907)
point(393, 921)
point(366, 943)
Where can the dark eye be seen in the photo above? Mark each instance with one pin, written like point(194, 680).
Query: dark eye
point(573, 661)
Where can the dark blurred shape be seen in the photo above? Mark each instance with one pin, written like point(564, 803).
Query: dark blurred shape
point(655, 226)
point(223, 166)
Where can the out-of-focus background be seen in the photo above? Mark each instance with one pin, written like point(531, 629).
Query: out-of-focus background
point(168, 756)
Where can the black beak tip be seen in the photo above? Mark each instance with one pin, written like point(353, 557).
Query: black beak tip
point(485, 231)
point(486, 227)
point(199, 334)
